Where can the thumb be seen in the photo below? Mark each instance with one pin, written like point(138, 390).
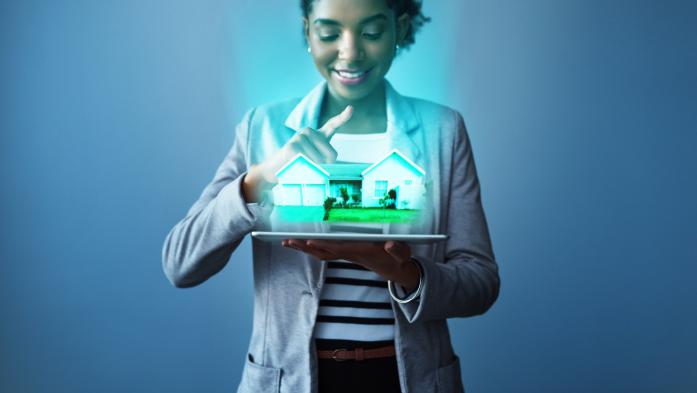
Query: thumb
point(398, 250)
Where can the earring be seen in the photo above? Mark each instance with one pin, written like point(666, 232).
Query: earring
point(309, 50)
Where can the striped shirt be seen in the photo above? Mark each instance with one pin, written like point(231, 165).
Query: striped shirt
point(354, 305)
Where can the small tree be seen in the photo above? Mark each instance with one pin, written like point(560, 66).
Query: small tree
point(328, 203)
point(344, 194)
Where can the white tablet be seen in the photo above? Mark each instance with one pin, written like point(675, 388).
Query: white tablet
point(354, 237)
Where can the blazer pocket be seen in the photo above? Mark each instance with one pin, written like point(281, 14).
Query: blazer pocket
point(258, 378)
point(448, 378)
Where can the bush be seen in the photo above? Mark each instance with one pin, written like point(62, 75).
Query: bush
point(356, 198)
point(328, 203)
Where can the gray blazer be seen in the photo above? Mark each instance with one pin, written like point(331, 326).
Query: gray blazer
point(460, 276)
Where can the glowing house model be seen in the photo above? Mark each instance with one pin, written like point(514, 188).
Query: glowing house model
point(303, 182)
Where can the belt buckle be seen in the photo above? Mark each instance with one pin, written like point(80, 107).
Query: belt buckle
point(336, 353)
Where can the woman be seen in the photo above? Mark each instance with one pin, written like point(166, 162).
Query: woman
point(335, 316)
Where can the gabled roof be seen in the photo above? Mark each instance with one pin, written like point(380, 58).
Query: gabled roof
point(345, 171)
point(301, 157)
point(348, 171)
point(399, 154)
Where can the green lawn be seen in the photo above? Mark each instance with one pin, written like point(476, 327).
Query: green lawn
point(373, 215)
point(316, 213)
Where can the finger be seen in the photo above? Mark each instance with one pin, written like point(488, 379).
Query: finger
point(321, 143)
point(317, 255)
point(334, 248)
point(301, 245)
point(398, 250)
point(329, 245)
point(327, 254)
point(297, 243)
point(304, 145)
point(337, 121)
point(342, 243)
point(349, 250)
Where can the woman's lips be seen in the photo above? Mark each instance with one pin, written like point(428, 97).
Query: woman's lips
point(350, 77)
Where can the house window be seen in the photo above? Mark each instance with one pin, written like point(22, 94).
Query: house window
point(380, 188)
point(407, 182)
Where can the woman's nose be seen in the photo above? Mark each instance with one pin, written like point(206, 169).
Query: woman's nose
point(350, 49)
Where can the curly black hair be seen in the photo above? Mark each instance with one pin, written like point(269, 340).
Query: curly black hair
point(411, 7)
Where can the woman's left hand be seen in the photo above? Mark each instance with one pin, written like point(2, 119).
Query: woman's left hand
point(391, 260)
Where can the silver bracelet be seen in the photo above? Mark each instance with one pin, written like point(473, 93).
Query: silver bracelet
point(415, 294)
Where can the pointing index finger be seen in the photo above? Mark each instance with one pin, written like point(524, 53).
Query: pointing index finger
point(329, 128)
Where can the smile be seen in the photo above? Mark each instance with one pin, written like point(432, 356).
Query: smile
point(350, 77)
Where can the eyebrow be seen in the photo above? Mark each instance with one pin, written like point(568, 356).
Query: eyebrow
point(321, 21)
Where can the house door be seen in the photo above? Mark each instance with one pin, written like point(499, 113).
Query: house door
point(314, 195)
point(292, 194)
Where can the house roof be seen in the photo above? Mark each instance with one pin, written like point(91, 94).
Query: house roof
point(301, 157)
point(345, 171)
point(354, 171)
point(399, 154)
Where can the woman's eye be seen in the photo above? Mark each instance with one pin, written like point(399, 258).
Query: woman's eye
point(329, 37)
point(372, 36)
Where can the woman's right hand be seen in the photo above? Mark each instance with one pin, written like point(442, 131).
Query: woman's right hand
point(312, 143)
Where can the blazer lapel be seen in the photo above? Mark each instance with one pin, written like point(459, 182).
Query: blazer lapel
point(401, 124)
point(307, 112)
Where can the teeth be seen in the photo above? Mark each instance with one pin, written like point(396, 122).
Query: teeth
point(352, 75)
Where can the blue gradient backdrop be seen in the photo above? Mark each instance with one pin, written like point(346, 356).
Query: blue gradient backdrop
point(114, 116)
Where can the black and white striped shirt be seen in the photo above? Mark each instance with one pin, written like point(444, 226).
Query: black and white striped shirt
point(354, 305)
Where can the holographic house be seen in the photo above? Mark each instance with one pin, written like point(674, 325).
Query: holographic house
point(302, 182)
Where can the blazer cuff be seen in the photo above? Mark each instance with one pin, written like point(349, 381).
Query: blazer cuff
point(409, 303)
point(400, 295)
point(240, 215)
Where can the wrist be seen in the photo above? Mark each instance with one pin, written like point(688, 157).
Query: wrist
point(410, 275)
point(403, 294)
point(253, 184)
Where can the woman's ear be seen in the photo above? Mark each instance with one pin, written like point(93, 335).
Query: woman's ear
point(403, 26)
point(306, 29)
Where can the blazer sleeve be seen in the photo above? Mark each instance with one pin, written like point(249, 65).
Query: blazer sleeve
point(466, 282)
point(200, 245)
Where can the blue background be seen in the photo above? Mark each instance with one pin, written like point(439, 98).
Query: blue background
point(115, 115)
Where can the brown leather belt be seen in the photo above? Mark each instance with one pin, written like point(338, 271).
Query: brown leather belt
point(357, 354)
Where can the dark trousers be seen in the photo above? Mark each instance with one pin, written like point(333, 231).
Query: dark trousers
point(366, 376)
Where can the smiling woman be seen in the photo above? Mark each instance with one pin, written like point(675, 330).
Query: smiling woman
point(352, 46)
point(348, 316)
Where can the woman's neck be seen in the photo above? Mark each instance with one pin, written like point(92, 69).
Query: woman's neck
point(369, 113)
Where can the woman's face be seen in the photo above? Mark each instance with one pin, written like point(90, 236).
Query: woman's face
point(353, 43)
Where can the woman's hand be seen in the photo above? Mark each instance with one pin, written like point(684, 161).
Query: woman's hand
point(391, 260)
point(312, 143)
